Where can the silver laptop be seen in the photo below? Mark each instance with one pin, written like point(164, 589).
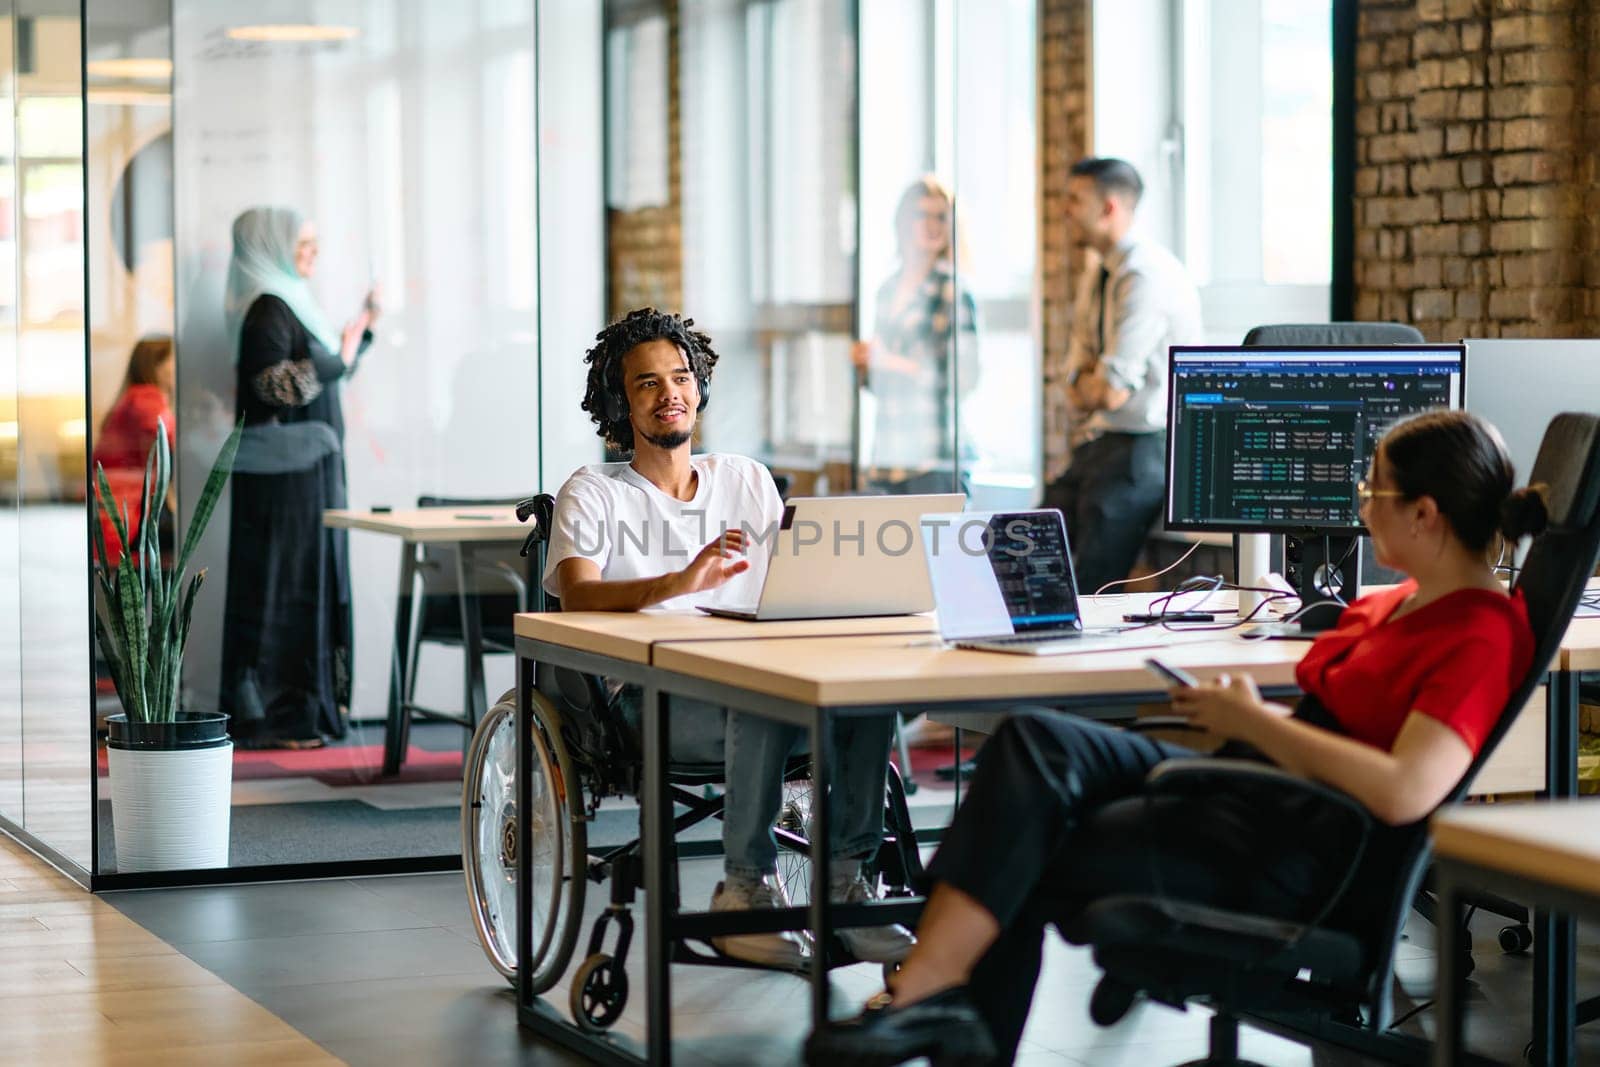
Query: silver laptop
point(844, 557)
point(1003, 582)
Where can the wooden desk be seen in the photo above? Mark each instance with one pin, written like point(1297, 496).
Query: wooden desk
point(463, 530)
point(419, 526)
point(1547, 853)
point(807, 673)
point(634, 636)
point(915, 671)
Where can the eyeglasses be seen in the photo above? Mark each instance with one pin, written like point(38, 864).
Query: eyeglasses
point(1364, 492)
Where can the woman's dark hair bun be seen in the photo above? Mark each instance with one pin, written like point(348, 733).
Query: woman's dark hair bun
point(1524, 512)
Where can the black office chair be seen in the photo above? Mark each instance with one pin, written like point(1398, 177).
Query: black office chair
point(585, 751)
point(498, 588)
point(1290, 335)
point(1338, 969)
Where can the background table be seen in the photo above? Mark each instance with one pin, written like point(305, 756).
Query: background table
point(1547, 853)
point(462, 530)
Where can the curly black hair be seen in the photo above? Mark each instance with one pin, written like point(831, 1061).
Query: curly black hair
point(637, 327)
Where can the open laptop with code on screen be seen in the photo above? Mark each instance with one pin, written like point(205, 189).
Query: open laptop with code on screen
point(1003, 582)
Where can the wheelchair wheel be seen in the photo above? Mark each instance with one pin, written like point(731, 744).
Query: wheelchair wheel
point(794, 866)
point(490, 842)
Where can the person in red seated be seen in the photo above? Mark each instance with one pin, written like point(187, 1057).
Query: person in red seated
point(1399, 698)
point(123, 443)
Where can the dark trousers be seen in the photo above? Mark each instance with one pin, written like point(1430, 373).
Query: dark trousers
point(1110, 496)
point(1079, 826)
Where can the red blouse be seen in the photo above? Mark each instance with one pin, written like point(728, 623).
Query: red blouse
point(121, 448)
point(1455, 660)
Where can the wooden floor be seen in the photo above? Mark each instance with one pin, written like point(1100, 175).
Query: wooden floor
point(80, 983)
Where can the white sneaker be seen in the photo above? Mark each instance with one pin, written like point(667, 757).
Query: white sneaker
point(784, 949)
point(890, 943)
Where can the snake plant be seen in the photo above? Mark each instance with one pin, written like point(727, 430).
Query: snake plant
point(143, 612)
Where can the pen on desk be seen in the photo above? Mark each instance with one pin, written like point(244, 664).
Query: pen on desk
point(469, 515)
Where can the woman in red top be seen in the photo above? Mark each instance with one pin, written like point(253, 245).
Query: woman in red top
point(129, 429)
point(1399, 699)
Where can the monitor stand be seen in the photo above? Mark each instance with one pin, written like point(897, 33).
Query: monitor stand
point(1318, 567)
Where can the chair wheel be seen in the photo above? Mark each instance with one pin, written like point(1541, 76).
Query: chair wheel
point(1517, 938)
point(1110, 1001)
point(599, 993)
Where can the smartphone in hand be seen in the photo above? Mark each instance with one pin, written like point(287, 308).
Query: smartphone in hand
point(1170, 674)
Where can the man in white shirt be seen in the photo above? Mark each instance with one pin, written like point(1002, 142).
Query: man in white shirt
point(1128, 313)
point(671, 530)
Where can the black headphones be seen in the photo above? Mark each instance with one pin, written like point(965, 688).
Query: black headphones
point(617, 405)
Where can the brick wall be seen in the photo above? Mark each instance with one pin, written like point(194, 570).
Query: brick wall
point(1474, 181)
point(644, 248)
point(1065, 136)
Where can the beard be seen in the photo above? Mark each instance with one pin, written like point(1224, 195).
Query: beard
point(668, 441)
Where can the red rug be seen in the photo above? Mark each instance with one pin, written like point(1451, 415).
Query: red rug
point(924, 760)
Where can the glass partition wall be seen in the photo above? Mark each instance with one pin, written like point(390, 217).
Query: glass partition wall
point(841, 193)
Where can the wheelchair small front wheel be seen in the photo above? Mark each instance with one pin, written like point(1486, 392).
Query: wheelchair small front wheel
point(599, 993)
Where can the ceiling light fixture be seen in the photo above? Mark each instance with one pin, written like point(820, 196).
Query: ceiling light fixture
point(129, 97)
point(132, 68)
point(279, 33)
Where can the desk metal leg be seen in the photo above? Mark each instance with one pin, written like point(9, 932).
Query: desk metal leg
point(1451, 980)
point(524, 724)
point(821, 851)
point(474, 701)
point(397, 728)
point(659, 902)
point(1555, 980)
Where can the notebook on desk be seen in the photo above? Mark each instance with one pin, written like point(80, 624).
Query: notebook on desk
point(1003, 582)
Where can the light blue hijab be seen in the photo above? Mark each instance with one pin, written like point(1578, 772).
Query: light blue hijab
point(264, 241)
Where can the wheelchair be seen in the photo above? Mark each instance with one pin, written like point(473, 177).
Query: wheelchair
point(583, 752)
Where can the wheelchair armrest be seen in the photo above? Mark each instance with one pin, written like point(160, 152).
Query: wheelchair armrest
point(1203, 775)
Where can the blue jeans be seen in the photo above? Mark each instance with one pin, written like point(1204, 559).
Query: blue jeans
point(755, 751)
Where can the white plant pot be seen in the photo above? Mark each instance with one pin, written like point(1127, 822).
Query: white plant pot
point(170, 806)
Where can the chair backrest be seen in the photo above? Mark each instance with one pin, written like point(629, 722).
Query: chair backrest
point(1334, 333)
point(438, 610)
point(1552, 581)
point(1290, 335)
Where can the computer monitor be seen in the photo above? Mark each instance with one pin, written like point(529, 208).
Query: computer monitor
point(1273, 440)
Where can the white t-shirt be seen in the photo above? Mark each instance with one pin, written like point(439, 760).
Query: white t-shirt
point(613, 515)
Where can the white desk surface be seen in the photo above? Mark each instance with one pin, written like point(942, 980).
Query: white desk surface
point(1552, 841)
point(427, 525)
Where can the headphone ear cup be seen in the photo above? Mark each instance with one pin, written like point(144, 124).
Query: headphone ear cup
point(615, 412)
point(705, 391)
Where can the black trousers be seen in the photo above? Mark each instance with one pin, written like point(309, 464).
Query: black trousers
point(1078, 825)
point(1110, 496)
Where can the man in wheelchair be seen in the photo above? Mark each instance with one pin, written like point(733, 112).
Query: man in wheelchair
point(670, 530)
point(1399, 698)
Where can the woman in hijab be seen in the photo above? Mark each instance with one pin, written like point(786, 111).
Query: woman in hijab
point(287, 626)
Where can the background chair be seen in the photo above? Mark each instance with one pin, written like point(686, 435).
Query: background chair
point(1336, 971)
point(494, 588)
